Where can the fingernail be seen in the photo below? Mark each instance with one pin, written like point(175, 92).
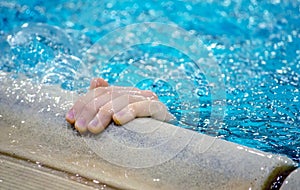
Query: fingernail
point(94, 122)
point(71, 114)
point(80, 123)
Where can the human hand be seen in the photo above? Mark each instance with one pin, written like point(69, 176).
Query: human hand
point(103, 103)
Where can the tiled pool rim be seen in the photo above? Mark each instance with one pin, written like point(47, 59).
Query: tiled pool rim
point(33, 127)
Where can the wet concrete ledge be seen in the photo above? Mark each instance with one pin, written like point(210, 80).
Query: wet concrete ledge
point(144, 154)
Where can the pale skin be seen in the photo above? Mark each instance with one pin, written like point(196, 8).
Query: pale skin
point(103, 104)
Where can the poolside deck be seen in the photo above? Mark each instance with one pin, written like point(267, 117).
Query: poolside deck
point(16, 173)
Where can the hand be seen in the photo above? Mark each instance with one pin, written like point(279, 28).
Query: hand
point(103, 103)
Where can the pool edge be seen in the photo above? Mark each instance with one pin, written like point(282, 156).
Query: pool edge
point(189, 153)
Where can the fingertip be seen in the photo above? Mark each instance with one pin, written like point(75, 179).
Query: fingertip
point(70, 121)
point(116, 121)
point(80, 125)
point(70, 116)
point(95, 126)
point(98, 82)
point(80, 130)
point(124, 116)
point(95, 129)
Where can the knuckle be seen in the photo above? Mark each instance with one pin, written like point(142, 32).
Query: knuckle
point(151, 94)
point(132, 107)
point(100, 90)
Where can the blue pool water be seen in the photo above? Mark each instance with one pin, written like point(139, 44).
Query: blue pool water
point(255, 44)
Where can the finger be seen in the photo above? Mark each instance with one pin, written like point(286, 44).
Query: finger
point(79, 105)
point(75, 111)
point(104, 115)
point(152, 108)
point(90, 110)
point(98, 82)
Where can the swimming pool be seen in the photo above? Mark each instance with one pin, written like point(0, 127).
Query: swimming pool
point(256, 46)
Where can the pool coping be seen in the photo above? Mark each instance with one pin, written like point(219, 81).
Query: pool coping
point(33, 125)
